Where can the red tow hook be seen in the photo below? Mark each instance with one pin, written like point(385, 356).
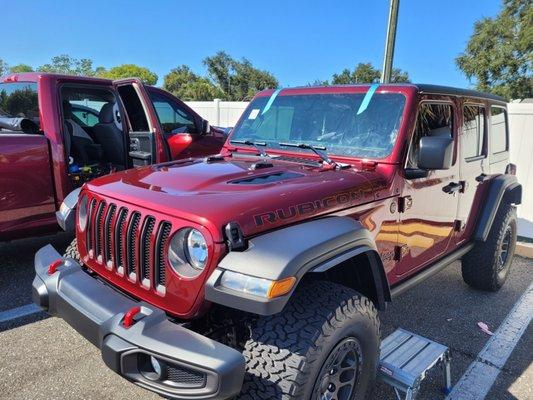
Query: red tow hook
point(52, 268)
point(130, 315)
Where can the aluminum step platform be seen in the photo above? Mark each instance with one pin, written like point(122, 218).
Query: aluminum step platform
point(405, 360)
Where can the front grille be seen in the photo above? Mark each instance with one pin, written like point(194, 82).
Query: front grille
point(185, 377)
point(128, 242)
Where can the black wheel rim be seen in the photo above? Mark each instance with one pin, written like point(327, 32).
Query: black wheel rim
point(338, 377)
point(505, 247)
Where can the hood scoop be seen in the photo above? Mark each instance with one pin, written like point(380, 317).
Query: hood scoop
point(267, 178)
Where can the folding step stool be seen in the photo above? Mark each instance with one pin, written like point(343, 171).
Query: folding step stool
point(405, 360)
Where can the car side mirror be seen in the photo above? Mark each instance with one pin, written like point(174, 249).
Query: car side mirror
point(436, 152)
point(206, 128)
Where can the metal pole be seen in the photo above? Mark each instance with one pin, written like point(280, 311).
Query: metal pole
point(390, 41)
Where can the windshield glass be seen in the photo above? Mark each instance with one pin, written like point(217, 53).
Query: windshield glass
point(346, 124)
point(19, 100)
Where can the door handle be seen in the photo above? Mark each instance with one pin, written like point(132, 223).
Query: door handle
point(453, 187)
point(481, 178)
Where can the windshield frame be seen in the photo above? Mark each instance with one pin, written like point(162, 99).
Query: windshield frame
point(409, 92)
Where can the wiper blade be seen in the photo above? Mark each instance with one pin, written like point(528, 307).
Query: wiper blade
point(321, 151)
point(258, 145)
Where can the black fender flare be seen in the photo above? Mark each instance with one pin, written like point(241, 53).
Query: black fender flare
point(294, 251)
point(66, 216)
point(501, 186)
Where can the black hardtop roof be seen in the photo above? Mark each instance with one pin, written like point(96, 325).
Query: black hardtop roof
point(453, 91)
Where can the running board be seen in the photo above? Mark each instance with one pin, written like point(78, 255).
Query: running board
point(412, 281)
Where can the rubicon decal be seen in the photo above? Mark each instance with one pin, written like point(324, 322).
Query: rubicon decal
point(310, 207)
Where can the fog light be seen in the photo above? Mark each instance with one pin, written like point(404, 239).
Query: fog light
point(156, 365)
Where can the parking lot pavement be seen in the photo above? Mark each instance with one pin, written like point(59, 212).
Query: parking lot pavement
point(43, 358)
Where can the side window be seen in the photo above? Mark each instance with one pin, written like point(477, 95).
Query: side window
point(134, 108)
point(19, 100)
point(85, 117)
point(498, 130)
point(432, 120)
point(473, 135)
point(173, 119)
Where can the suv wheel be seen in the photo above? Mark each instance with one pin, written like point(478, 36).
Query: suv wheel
point(72, 251)
point(487, 265)
point(323, 345)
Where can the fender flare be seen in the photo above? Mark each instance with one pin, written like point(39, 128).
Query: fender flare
point(66, 216)
point(294, 251)
point(501, 186)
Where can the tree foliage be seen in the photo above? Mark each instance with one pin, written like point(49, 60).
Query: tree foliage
point(128, 71)
point(238, 80)
point(64, 64)
point(367, 73)
point(499, 54)
point(4, 68)
point(187, 85)
point(20, 68)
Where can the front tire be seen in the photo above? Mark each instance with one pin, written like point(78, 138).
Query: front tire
point(324, 344)
point(72, 251)
point(487, 265)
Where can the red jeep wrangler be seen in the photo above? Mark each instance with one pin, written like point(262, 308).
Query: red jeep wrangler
point(257, 273)
point(57, 132)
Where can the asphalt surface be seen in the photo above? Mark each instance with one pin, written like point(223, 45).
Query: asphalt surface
point(43, 358)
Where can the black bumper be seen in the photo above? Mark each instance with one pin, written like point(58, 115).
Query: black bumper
point(193, 366)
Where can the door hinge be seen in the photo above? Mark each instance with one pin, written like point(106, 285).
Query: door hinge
point(404, 203)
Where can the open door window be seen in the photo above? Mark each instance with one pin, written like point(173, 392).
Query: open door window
point(145, 145)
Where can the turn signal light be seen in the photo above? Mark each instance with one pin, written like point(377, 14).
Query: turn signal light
point(279, 288)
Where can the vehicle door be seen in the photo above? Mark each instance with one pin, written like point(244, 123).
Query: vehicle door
point(473, 150)
point(145, 134)
point(185, 132)
point(429, 199)
point(26, 185)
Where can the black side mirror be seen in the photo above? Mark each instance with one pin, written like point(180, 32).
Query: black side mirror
point(436, 152)
point(206, 128)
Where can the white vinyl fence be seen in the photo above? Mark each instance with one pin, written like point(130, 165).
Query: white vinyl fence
point(219, 113)
point(227, 113)
point(521, 142)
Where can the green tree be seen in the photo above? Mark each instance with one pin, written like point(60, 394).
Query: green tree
point(20, 68)
point(499, 54)
point(367, 73)
point(129, 71)
point(64, 64)
point(187, 85)
point(238, 80)
point(4, 68)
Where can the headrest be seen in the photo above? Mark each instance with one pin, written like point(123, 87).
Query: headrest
point(106, 114)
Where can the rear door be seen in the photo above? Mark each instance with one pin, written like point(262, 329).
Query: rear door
point(146, 145)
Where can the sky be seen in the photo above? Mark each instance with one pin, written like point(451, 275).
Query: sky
point(298, 41)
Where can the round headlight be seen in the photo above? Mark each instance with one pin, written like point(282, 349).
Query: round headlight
point(188, 252)
point(82, 213)
point(196, 249)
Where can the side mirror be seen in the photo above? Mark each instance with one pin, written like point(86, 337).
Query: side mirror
point(206, 128)
point(436, 152)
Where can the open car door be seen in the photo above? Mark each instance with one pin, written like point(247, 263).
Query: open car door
point(145, 135)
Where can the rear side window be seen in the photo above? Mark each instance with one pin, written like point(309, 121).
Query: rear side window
point(19, 100)
point(498, 130)
point(473, 131)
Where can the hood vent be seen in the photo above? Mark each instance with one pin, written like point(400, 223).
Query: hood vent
point(263, 179)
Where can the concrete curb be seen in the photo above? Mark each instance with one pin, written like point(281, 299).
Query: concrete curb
point(524, 249)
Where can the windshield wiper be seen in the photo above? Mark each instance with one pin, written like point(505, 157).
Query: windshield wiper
point(258, 145)
point(321, 151)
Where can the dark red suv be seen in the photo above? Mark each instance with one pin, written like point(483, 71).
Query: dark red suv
point(57, 132)
point(258, 273)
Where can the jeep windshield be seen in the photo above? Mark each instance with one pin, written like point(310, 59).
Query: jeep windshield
point(361, 125)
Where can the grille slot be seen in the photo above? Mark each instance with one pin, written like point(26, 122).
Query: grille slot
point(89, 238)
point(130, 241)
point(98, 222)
point(182, 376)
point(108, 254)
point(119, 237)
point(161, 240)
point(146, 246)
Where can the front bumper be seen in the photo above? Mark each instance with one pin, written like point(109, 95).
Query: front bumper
point(193, 366)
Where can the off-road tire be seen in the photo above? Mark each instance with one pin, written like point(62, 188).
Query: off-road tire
point(286, 352)
point(72, 251)
point(481, 266)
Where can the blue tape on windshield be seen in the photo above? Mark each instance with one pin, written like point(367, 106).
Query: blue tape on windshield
point(367, 98)
point(270, 101)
